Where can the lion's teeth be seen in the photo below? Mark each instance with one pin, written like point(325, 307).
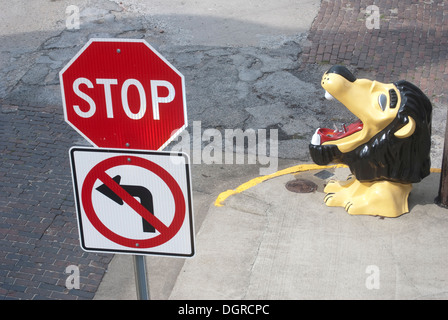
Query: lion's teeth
point(316, 138)
point(335, 128)
point(328, 96)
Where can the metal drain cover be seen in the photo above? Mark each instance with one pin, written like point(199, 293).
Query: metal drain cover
point(301, 186)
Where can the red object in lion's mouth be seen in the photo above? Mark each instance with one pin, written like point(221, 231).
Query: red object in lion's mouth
point(325, 134)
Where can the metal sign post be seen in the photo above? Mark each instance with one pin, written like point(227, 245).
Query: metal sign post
point(141, 278)
point(442, 198)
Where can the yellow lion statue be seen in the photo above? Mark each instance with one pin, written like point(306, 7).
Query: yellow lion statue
point(387, 149)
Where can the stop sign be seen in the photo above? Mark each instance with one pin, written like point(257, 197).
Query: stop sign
point(121, 93)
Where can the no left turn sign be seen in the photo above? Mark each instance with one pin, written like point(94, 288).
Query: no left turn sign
point(135, 202)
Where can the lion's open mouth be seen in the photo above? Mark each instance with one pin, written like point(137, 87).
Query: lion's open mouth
point(324, 134)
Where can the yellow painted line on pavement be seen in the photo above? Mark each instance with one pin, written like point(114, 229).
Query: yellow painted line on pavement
point(249, 184)
point(295, 169)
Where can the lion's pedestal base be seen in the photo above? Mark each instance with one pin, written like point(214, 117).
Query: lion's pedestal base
point(378, 198)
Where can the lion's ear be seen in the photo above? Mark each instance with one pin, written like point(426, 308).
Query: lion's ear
point(407, 130)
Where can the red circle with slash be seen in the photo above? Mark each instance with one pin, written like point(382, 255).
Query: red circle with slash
point(166, 232)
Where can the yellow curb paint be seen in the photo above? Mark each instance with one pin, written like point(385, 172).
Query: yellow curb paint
point(249, 184)
point(299, 168)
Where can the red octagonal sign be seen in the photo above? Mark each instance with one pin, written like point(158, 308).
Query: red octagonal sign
point(121, 93)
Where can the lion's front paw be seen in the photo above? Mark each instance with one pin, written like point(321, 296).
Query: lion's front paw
point(335, 199)
point(381, 198)
point(334, 186)
point(348, 206)
point(328, 198)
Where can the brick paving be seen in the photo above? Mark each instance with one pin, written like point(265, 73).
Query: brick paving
point(38, 230)
point(411, 42)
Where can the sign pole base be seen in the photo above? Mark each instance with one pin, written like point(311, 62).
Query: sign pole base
point(141, 278)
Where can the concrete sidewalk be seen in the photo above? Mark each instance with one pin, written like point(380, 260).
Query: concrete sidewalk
point(270, 243)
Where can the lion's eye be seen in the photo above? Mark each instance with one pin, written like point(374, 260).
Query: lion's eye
point(382, 101)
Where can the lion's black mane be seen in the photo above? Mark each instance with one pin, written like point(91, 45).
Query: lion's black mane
point(386, 157)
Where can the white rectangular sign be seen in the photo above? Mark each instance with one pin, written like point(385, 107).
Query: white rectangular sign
point(136, 202)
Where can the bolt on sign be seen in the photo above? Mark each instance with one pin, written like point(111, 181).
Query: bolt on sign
point(121, 93)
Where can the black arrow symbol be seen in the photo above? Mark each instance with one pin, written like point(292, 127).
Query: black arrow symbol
point(140, 192)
